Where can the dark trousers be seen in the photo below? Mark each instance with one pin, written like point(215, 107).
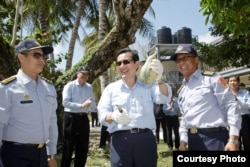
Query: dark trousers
point(161, 122)
point(245, 133)
point(23, 156)
point(75, 138)
point(209, 141)
point(104, 137)
point(173, 125)
point(94, 119)
point(133, 149)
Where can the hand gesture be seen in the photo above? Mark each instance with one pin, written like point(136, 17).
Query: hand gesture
point(157, 67)
point(121, 117)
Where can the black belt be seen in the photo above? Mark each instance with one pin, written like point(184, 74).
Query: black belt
point(41, 145)
point(205, 130)
point(75, 113)
point(133, 130)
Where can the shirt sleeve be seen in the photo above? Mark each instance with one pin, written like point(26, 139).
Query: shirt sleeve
point(4, 109)
point(158, 97)
point(53, 131)
point(67, 98)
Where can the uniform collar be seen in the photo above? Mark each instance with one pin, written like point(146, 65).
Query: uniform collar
point(195, 75)
point(25, 78)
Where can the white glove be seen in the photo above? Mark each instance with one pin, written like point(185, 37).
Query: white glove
point(121, 118)
point(157, 67)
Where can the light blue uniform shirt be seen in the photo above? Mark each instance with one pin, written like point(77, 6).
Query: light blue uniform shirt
point(137, 101)
point(243, 98)
point(28, 112)
point(206, 103)
point(74, 95)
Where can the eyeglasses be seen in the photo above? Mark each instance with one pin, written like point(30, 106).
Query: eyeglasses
point(37, 55)
point(125, 62)
point(186, 58)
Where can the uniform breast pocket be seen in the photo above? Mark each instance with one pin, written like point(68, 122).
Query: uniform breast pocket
point(200, 91)
point(198, 95)
point(22, 101)
point(50, 103)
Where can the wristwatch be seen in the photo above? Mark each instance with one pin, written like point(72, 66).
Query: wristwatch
point(233, 141)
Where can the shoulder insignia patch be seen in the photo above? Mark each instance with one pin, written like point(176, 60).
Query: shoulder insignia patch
point(223, 82)
point(178, 91)
point(208, 73)
point(8, 80)
point(47, 80)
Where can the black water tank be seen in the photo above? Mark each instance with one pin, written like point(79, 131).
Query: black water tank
point(164, 35)
point(184, 35)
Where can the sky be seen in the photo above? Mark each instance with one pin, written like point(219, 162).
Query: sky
point(174, 14)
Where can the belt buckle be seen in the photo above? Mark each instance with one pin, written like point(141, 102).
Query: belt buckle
point(193, 130)
point(134, 130)
point(40, 145)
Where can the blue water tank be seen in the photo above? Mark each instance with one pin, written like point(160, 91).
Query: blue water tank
point(184, 35)
point(164, 35)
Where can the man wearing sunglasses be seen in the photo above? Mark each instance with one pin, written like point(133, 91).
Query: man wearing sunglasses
point(126, 108)
point(207, 105)
point(28, 121)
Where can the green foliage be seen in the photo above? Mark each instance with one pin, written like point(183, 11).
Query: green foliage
point(8, 63)
point(229, 17)
point(69, 75)
point(231, 20)
point(7, 15)
point(231, 52)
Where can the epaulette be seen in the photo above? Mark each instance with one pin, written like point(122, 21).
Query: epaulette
point(208, 73)
point(47, 80)
point(8, 80)
point(178, 91)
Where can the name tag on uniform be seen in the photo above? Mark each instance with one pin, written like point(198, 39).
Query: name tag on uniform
point(26, 101)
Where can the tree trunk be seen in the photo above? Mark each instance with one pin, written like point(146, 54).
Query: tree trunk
point(15, 24)
point(100, 57)
point(74, 35)
point(102, 32)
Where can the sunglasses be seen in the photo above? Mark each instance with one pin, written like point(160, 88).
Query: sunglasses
point(125, 62)
point(37, 55)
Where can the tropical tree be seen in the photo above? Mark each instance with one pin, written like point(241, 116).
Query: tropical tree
point(79, 13)
point(104, 79)
point(230, 20)
point(129, 16)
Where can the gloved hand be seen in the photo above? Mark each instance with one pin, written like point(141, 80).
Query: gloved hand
point(157, 67)
point(121, 118)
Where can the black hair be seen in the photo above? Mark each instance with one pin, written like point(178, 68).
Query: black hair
point(135, 56)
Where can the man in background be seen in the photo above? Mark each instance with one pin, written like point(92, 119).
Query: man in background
point(172, 112)
point(78, 99)
point(242, 96)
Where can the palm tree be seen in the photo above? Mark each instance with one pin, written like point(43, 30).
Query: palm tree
point(105, 25)
point(100, 56)
point(102, 32)
point(15, 23)
point(79, 13)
